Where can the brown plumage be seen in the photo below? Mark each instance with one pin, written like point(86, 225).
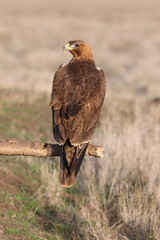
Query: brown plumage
point(77, 96)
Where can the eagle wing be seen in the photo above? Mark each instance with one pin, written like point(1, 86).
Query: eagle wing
point(76, 105)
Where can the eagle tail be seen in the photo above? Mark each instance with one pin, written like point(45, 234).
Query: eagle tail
point(70, 162)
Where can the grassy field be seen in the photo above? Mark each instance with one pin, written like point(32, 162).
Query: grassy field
point(114, 198)
point(124, 36)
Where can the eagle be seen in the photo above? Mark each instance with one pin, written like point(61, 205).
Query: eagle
point(77, 96)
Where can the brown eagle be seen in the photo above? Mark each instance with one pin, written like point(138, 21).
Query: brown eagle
point(77, 96)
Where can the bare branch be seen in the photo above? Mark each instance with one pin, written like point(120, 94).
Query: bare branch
point(12, 147)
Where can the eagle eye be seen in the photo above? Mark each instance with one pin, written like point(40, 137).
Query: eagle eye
point(77, 45)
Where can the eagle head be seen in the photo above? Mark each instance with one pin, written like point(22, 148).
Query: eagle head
point(79, 48)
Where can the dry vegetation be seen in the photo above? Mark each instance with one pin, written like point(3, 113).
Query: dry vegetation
point(115, 198)
point(121, 191)
point(124, 36)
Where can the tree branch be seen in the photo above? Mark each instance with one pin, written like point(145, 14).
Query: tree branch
point(12, 147)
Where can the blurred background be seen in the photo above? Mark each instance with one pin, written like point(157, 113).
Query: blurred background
point(116, 197)
point(124, 36)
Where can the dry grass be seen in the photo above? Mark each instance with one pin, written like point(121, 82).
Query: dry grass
point(124, 36)
point(113, 198)
point(121, 191)
point(123, 188)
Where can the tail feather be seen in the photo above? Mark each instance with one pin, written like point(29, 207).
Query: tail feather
point(70, 162)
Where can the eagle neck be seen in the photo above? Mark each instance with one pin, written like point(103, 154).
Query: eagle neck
point(77, 65)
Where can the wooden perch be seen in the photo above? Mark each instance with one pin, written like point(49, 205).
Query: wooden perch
point(12, 147)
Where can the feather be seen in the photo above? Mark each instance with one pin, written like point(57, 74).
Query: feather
point(70, 162)
point(56, 117)
point(73, 109)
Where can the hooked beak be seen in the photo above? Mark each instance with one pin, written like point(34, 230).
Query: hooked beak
point(67, 47)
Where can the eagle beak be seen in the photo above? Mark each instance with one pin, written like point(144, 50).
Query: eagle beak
point(67, 47)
